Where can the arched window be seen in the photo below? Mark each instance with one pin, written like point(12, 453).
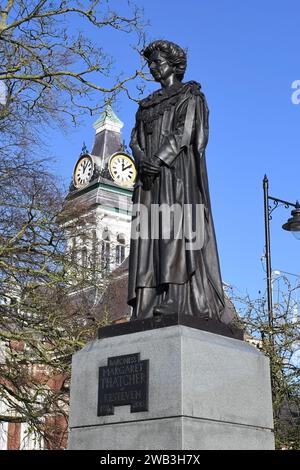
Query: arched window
point(120, 249)
point(105, 250)
point(94, 253)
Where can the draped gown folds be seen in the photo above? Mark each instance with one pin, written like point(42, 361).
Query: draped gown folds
point(172, 124)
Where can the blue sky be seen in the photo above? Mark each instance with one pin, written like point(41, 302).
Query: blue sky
point(246, 56)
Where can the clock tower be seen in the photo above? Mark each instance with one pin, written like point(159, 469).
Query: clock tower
point(97, 214)
point(108, 158)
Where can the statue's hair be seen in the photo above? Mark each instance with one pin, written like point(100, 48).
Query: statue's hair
point(175, 55)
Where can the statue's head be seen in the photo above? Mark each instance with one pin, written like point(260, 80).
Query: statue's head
point(175, 55)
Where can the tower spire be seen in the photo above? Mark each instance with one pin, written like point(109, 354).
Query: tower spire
point(108, 139)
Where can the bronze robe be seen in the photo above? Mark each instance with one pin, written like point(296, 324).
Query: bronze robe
point(172, 124)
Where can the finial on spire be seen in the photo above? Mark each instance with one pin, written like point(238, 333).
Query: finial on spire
point(84, 149)
point(124, 147)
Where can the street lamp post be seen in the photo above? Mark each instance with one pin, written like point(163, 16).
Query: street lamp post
point(292, 225)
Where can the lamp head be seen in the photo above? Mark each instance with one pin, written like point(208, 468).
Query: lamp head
point(293, 223)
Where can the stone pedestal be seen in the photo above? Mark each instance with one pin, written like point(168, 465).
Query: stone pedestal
point(206, 391)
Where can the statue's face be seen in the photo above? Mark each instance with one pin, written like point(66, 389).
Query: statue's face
point(160, 68)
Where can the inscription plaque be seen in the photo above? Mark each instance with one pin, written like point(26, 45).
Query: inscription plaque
point(124, 381)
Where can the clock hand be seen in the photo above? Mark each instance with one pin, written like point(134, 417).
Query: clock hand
point(126, 167)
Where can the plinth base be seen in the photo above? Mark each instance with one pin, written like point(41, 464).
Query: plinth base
point(163, 321)
point(206, 391)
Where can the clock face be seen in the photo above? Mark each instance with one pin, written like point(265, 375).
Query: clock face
point(122, 169)
point(83, 172)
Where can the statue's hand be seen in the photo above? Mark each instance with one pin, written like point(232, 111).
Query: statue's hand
point(150, 167)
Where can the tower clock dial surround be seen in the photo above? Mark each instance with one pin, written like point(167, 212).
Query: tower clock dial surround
point(83, 171)
point(122, 169)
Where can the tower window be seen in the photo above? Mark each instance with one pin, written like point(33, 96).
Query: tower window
point(94, 255)
point(84, 257)
point(120, 249)
point(105, 250)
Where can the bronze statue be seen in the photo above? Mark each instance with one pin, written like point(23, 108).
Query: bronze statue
point(168, 144)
